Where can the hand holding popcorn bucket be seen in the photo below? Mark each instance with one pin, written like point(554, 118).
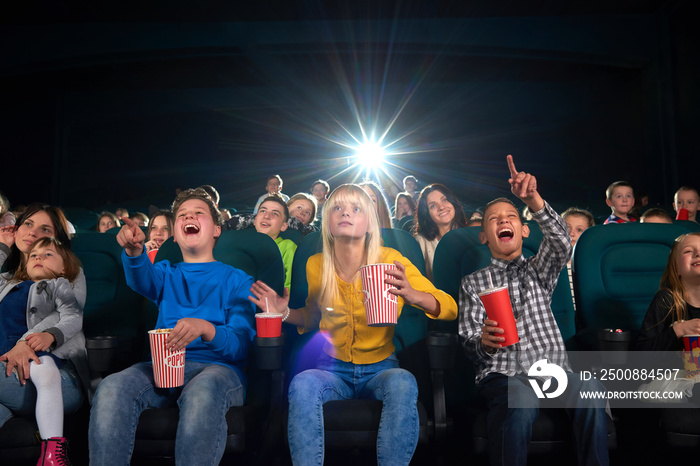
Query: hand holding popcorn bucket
point(691, 355)
point(380, 305)
point(168, 365)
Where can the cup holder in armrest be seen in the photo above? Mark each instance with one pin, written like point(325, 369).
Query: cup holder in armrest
point(269, 352)
point(613, 344)
point(614, 339)
point(108, 353)
point(441, 350)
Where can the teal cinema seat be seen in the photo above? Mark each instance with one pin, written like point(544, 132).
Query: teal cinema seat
point(82, 219)
point(111, 308)
point(617, 270)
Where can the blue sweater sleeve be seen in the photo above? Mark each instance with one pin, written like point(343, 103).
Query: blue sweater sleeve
point(142, 276)
point(233, 338)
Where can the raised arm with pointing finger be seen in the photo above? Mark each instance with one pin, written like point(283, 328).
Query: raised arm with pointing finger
point(524, 186)
point(502, 371)
point(131, 237)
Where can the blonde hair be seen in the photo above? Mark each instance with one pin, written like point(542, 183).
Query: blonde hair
point(671, 281)
point(353, 194)
point(581, 213)
point(682, 189)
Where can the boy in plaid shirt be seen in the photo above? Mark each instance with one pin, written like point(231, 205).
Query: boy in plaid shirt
point(500, 370)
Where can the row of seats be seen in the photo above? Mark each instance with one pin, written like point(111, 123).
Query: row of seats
point(616, 271)
point(116, 320)
point(454, 402)
point(624, 262)
point(114, 310)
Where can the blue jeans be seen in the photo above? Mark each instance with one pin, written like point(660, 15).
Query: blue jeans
point(338, 380)
point(208, 393)
point(20, 400)
point(510, 429)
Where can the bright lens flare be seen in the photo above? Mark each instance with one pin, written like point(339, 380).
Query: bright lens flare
point(370, 155)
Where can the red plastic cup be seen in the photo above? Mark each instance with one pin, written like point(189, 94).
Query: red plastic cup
point(268, 324)
point(498, 308)
point(682, 214)
point(381, 307)
point(168, 366)
point(152, 255)
point(691, 355)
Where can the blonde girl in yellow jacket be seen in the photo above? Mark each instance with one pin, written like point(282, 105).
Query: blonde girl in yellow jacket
point(358, 361)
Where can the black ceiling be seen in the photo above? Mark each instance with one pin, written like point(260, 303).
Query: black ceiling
point(88, 11)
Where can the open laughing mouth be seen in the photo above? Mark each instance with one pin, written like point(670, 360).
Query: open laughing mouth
point(506, 234)
point(191, 229)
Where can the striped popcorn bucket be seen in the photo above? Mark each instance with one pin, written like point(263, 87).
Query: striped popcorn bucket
point(168, 366)
point(380, 305)
point(691, 355)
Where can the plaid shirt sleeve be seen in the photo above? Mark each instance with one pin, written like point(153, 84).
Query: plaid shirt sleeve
point(555, 250)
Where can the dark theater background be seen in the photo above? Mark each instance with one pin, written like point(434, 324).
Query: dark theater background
point(107, 103)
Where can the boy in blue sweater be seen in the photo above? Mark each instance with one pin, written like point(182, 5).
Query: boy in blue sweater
point(206, 304)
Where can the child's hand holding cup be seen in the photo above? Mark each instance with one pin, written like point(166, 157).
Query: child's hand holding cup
point(497, 303)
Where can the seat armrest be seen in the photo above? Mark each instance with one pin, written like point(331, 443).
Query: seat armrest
point(614, 343)
point(108, 353)
point(441, 350)
point(614, 339)
point(269, 355)
point(603, 339)
point(269, 352)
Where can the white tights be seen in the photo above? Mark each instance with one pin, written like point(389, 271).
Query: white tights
point(49, 397)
